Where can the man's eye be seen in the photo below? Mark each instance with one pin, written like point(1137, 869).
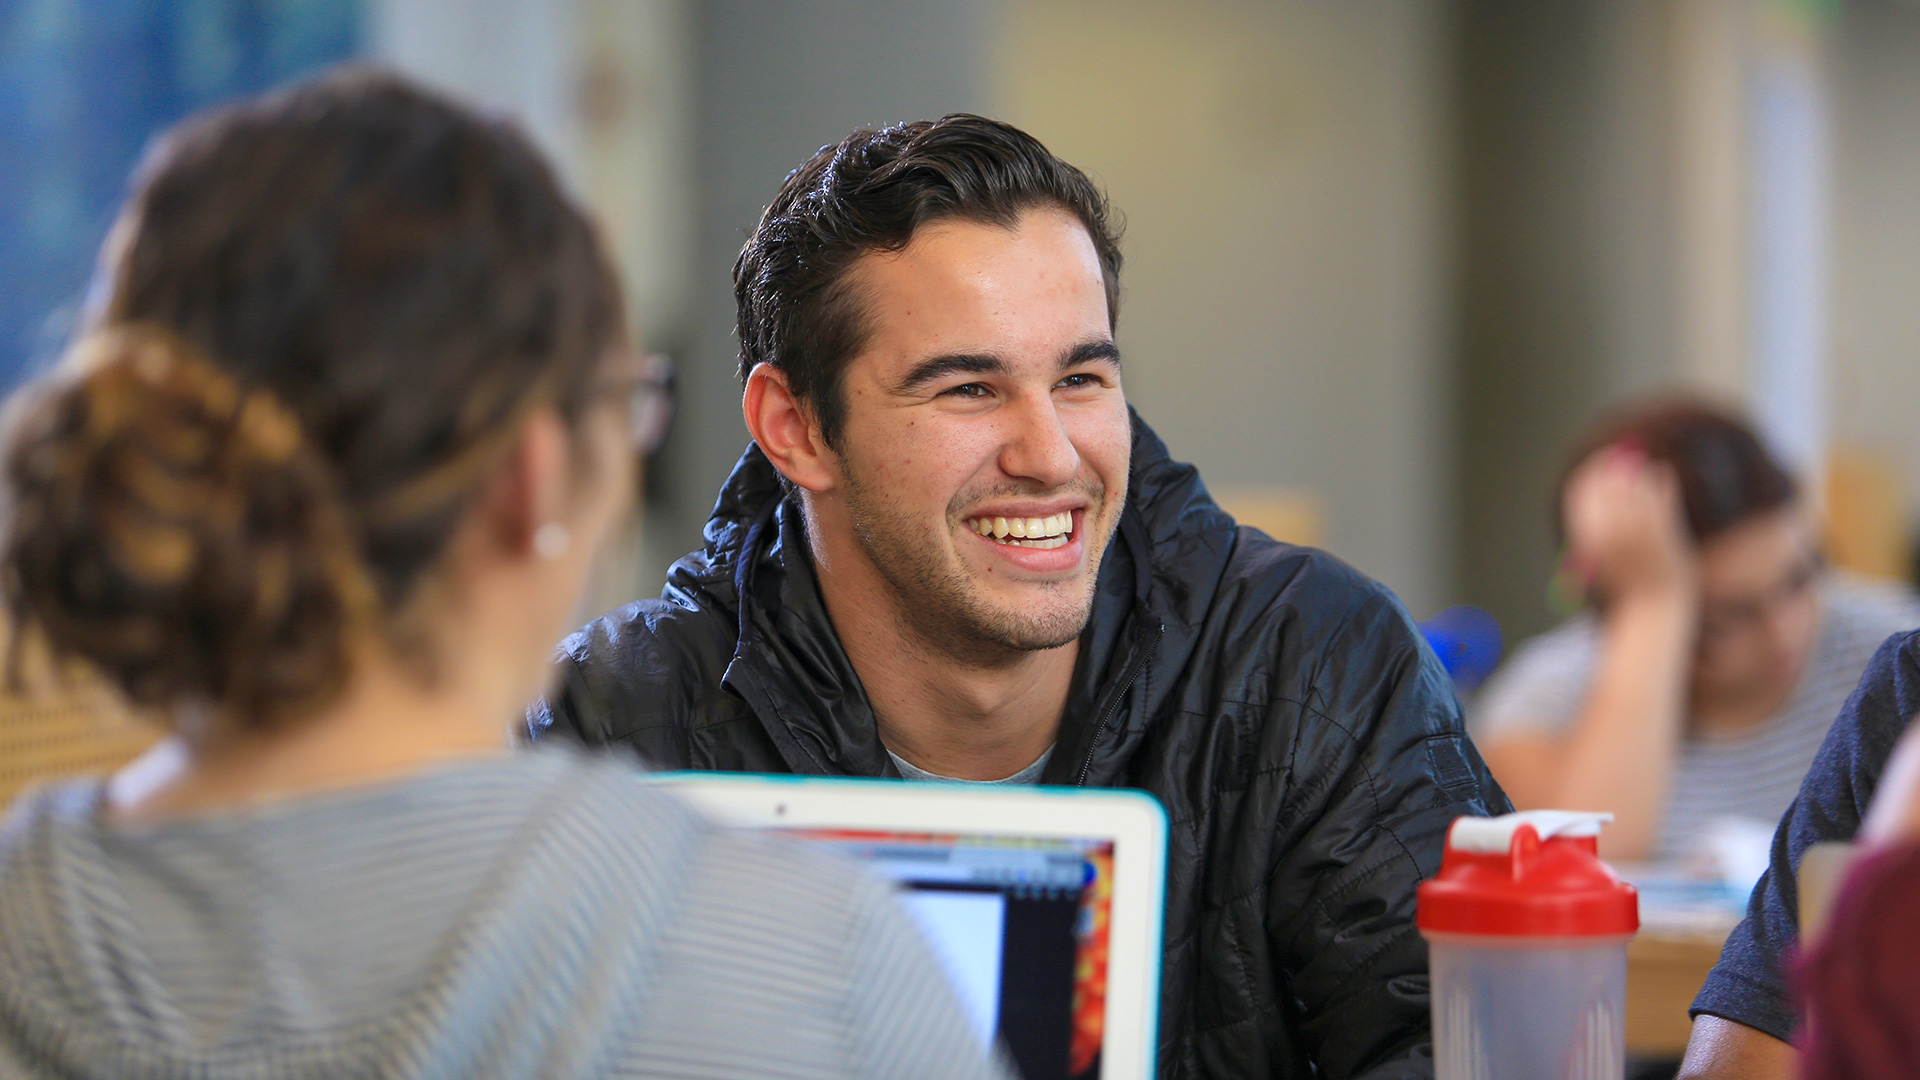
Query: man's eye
point(1081, 381)
point(967, 390)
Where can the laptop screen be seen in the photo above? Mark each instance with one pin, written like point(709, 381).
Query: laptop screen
point(1022, 926)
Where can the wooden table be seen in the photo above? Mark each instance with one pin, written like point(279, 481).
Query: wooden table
point(1666, 965)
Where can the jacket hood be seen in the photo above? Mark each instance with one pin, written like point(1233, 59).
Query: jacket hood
point(1155, 582)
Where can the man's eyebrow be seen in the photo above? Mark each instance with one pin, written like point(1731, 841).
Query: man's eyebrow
point(935, 368)
point(939, 367)
point(1090, 352)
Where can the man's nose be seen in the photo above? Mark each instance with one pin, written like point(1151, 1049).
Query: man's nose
point(1038, 447)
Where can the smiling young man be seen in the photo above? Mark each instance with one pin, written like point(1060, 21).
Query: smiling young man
point(952, 551)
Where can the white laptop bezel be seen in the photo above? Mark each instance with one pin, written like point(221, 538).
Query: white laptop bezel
point(1132, 820)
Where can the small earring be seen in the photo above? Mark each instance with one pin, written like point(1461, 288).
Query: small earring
point(550, 541)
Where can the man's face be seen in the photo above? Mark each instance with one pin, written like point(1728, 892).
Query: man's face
point(983, 461)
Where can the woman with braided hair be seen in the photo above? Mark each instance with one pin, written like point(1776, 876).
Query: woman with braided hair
point(317, 488)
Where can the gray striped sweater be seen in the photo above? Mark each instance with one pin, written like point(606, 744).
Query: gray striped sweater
point(539, 915)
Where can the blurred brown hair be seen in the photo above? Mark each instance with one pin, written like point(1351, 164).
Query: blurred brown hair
point(1726, 475)
point(320, 320)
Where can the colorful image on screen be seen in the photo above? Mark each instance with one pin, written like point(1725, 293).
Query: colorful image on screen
point(1022, 926)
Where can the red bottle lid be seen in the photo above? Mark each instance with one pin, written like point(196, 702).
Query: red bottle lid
point(1528, 875)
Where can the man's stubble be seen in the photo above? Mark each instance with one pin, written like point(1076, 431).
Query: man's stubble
point(937, 601)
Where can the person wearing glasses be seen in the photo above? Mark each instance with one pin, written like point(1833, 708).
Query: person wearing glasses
point(317, 489)
point(1714, 652)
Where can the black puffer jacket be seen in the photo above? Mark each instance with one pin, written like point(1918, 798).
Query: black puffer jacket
point(1305, 742)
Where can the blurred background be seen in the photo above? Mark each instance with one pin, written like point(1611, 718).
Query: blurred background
point(1385, 257)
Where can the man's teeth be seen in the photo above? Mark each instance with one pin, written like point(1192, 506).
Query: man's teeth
point(1041, 532)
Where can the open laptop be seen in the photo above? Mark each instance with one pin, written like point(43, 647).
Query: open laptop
point(1043, 903)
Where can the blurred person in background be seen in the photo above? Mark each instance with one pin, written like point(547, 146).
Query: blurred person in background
point(953, 552)
point(1715, 652)
point(319, 487)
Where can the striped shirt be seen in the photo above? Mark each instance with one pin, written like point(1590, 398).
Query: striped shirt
point(543, 914)
point(1752, 774)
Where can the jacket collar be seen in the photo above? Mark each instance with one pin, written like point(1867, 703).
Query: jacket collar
point(788, 664)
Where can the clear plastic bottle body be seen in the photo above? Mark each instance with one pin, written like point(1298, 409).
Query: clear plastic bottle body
point(1518, 1008)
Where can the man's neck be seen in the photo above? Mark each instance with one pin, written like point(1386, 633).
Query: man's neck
point(960, 721)
point(967, 723)
point(975, 717)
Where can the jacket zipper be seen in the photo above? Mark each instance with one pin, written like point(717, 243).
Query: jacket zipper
point(1133, 671)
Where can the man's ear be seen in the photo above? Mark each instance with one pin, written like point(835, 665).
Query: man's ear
point(786, 431)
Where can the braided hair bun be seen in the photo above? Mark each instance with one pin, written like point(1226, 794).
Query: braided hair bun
point(178, 531)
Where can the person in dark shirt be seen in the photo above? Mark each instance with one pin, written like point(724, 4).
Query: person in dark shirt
point(1743, 1016)
point(1857, 975)
point(1859, 979)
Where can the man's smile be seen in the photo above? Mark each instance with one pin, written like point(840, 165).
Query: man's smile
point(1052, 531)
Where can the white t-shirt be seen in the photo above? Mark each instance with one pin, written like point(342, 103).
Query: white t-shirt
point(1028, 775)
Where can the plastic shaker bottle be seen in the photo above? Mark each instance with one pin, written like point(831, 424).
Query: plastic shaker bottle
point(1528, 932)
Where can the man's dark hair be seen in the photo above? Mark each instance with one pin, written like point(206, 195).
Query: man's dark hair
point(1726, 474)
point(869, 192)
